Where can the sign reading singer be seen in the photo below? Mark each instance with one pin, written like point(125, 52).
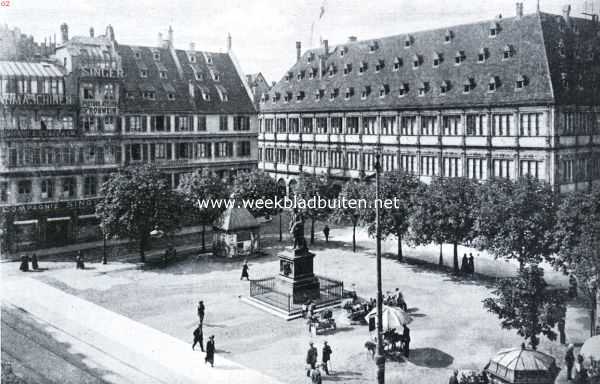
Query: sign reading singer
point(101, 72)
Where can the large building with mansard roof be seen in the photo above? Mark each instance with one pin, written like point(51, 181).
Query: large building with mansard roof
point(94, 106)
point(500, 98)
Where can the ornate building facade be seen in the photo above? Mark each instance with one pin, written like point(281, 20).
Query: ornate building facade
point(502, 98)
point(95, 106)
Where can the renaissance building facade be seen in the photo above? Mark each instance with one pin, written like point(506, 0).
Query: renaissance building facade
point(505, 98)
point(95, 106)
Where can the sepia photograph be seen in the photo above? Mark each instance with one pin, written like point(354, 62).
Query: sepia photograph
point(300, 192)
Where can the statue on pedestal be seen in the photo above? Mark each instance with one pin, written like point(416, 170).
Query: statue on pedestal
point(297, 231)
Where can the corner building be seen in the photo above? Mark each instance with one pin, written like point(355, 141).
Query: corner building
point(502, 98)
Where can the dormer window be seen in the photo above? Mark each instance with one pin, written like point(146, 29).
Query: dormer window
point(408, 41)
point(343, 51)
point(416, 61)
point(423, 88)
point(216, 75)
point(482, 56)
point(521, 82)
point(444, 87)
point(143, 73)
point(507, 52)
point(310, 57)
point(333, 94)
point(331, 70)
point(300, 96)
point(373, 46)
point(403, 91)
point(156, 56)
point(313, 73)
point(347, 68)
point(205, 93)
point(287, 97)
point(564, 80)
point(459, 57)
point(171, 96)
point(397, 63)
point(289, 76)
point(138, 55)
point(300, 75)
point(163, 74)
point(199, 75)
point(493, 84)
point(494, 27)
point(192, 58)
point(384, 90)
point(349, 92)
point(448, 36)
point(264, 98)
point(276, 97)
point(437, 59)
point(319, 94)
point(468, 85)
point(363, 67)
point(379, 66)
point(222, 93)
point(365, 92)
point(209, 59)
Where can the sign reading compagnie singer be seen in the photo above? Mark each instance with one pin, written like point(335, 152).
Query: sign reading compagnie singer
point(49, 206)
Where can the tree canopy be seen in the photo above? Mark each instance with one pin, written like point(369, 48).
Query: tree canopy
point(256, 185)
point(355, 214)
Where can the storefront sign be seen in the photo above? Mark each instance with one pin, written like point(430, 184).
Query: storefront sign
point(49, 206)
point(99, 107)
point(35, 99)
point(101, 72)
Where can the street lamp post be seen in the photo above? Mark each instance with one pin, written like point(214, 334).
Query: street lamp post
point(379, 358)
point(104, 259)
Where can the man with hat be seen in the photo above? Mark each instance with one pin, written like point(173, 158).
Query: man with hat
point(311, 357)
point(326, 356)
point(201, 312)
point(210, 351)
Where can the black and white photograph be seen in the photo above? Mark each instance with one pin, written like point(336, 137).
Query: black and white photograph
point(300, 192)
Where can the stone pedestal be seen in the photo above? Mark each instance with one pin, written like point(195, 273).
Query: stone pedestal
point(296, 276)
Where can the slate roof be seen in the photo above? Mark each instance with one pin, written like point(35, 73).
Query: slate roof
point(180, 77)
point(235, 218)
point(531, 41)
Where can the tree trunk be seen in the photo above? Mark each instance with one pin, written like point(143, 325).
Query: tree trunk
point(203, 231)
point(400, 256)
point(312, 230)
point(441, 260)
point(354, 238)
point(456, 268)
point(142, 246)
point(593, 312)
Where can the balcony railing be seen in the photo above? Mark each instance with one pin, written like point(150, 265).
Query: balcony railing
point(35, 99)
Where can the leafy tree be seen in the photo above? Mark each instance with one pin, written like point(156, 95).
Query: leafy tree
point(525, 303)
point(577, 243)
point(136, 201)
point(256, 185)
point(445, 212)
point(199, 189)
point(399, 187)
point(516, 219)
point(352, 191)
point(311, 185)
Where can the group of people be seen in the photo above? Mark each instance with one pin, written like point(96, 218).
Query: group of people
point(312, 358)
point(576, 370)
point(199, 337)
point(396, 300)
point(468, 264)
point(24, 266)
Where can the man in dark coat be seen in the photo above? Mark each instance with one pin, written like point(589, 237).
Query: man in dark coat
point(471, 264)
point(464, 266)
point(245, 271)
point(34, 262)
point(210, 351)
point(454, 377)
point(569, 361)
point(79, 264)
point(326, 356)
point(406, 339)
point(201, 312)
point(311, 357)
point(24, 267)
point(326, 233)
point(198, 339)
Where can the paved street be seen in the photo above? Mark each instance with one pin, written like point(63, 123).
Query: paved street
point(451, 329)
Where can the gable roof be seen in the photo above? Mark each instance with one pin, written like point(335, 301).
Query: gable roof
point(409, 59)
point(235, 218)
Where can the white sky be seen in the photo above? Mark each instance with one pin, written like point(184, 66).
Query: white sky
point(264, 31)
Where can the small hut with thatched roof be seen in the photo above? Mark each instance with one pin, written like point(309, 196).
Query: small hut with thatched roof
point(236, 233)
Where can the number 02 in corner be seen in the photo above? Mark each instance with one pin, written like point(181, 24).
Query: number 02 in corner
point(5, 3)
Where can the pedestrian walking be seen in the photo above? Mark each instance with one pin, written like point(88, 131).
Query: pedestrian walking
point(561, 331)
point(210, 351)
point(570, 361)
point(201, 312)
point(581, 375)
point(24, 267)
point(245, 271)
point(472, 263)
point(79, 263)
point(406, 340)
point(311, 358)
point(34, 262)
point(326, 356)
point(326, 233)
point(198, 339)
point(454, 377)
point(315, 376)
point(464, 266)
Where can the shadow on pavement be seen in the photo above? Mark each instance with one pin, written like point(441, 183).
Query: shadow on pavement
point(430, 358)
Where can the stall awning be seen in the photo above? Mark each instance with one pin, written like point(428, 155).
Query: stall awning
point(24, 69)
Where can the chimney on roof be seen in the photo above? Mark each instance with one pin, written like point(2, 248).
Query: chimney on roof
point(298, 50)
point(352, 39)
point(192, 46)
point(64, 32)
point(91, 31)
point(170, 36)
point(228, 42)
point(567, 14)
point(326, 46)
point(519, 10)
point(110, 33)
